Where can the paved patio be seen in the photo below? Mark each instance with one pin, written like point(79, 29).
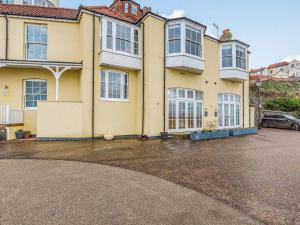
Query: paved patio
point(258, 175)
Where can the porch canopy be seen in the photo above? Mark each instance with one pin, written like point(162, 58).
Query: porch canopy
point(56, 68)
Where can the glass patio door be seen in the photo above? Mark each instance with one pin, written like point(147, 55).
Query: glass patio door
point(185, 110)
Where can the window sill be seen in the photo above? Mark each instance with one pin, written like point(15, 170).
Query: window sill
point(233, 68)
point(114, 100)
point(184, 54)
point(120, 53)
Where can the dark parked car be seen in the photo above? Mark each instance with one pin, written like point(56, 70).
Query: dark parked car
point(283, 121)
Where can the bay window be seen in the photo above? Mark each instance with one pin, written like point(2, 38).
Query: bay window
point(174, 38)
point(120, 37)
point(227, 56)
point(109, 35)
point(193, 44)
point(240, 57)
point(228, 110)
point(36, 42)
point(234, 55)
point(114, 85)
point(123, 38)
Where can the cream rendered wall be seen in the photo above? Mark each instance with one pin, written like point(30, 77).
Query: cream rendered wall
point(2, 37)
point(86, 45)
point(14, 78)
point(208, 82)
point(65, 119)
point(117, 117)
point(63, 39)
point(154, 69)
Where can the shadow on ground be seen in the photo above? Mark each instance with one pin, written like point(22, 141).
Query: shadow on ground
point(259, 175)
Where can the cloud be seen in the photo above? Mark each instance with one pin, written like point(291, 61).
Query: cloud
point(175, 14)
point(291, 58)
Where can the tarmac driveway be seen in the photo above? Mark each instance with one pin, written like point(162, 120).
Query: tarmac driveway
point(257, 175)
point(35, 192)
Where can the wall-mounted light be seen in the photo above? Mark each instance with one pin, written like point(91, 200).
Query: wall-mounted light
point(216, 113)
point(206, 112)
point(5, 91)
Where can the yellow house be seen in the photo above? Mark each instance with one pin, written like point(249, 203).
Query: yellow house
point(120, 69)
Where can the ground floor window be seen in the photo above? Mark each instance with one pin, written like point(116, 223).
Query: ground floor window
point(228, 110)
point(34, 91)
point(114, 85)
point(185, 109)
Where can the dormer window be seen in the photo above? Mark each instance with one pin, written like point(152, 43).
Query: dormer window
point(134, 9)
point(126, 7)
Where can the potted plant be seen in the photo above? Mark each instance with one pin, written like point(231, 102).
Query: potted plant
point(210, 132)
point(27, 134)
point(19, 134)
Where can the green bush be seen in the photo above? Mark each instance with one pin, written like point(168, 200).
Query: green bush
point(284, 104)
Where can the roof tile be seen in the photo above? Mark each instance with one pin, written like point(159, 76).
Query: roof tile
point(38, 11)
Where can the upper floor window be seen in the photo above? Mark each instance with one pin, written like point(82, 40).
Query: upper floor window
point(227, 56)
point(34, 91)
point(109, 38)
point(293, 65)
point(126, 8)
point(114, 85)
point(36, 42)
point(123, 38)
point(136, 42)
point(134, 9)
point(241, 57)
point(185, 38)
point(234, 55)
point(174, 32)
point(193, 42)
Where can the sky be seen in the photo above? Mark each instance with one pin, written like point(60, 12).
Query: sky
point(271, 27)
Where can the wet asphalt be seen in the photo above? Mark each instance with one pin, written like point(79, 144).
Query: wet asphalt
point(258, 175)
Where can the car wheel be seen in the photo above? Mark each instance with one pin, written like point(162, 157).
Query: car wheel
point(265, 124)
point(295, 127)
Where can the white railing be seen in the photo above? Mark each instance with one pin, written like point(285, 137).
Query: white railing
point(9, 116)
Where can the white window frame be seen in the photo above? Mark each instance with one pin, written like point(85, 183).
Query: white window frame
point(193, 41)
point(126, 7)
point(229, 103)
point(122, 98)
point(114, 31)
point(178, 99)
point(183, 24)
point(234, 44)
point(134, 9)
point(40, 43)
point(25, 93)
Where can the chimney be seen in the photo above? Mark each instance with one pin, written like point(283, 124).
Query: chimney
point(226, 36)
point(146, 9)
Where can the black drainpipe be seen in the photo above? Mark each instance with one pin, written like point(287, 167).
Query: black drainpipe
point(93, 83)
point(6, 37)
point(143, 78)
point(164, 105)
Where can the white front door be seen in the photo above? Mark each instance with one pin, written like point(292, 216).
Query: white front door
point(186, 112)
